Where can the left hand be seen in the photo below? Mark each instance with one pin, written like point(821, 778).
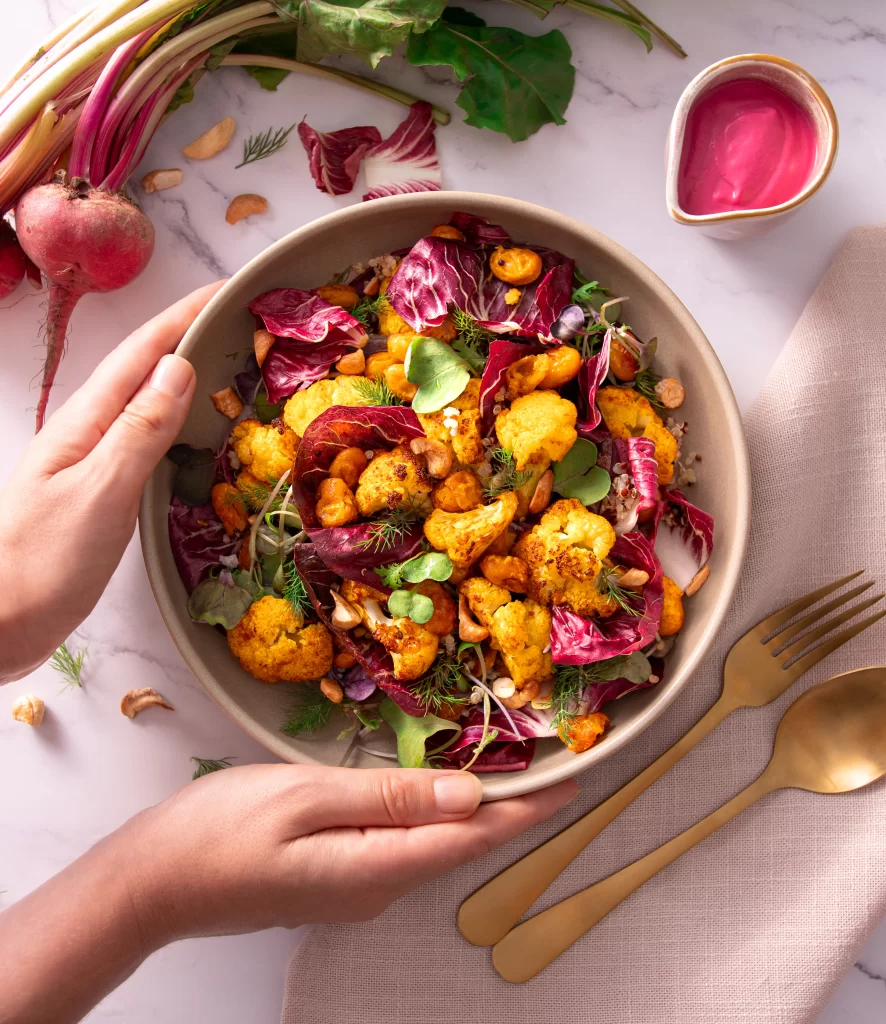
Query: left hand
point(70, 506)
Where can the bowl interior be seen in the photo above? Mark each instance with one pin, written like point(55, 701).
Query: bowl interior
point(310, 256)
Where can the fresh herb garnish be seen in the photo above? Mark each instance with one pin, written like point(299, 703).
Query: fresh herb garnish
point(571, 680)
point(367, 309)
point(295, 592)
point(260, 147)
point(391, 528)
point(440, 373)
point(430, 565)
point(506, 476)
point(442, 686)
point(255, 495)
point(486, 737)
point(409, 604)
point(374, 392)
point(577, 476)
point(474, 354)
point(69, 666)
point(469, 329)
point(310, 711)
point(644, 383)
point(609, 587)
point(206, 766)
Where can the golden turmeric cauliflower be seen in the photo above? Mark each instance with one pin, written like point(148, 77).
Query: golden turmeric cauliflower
point(581, 732)
point(671, 609)
point(272, 643)
point(537, 427)
point(305, 406)
point(465, 536)
point(564, 552)
point(467, 444)
point(391, 479)
point(520, 630)
point(628, 414)
point(266, 449)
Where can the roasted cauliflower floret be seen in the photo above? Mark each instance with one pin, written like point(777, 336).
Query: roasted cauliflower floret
point(537, 427)
point(465, 536)
point(393, 478)
point(467, 442)
point(267, 450)
point(272, 643)
point(564, 552)
point(581, 732)
point(305, 406)
point(628, 414)
point(671, 609)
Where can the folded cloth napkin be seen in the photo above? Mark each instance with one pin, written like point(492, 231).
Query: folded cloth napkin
point(759, 922)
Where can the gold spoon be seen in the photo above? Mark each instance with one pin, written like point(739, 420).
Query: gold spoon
point(830, 740)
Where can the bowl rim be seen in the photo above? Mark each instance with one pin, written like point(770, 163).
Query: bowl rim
point(496, 786)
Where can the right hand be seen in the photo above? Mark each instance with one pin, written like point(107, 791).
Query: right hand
point(283, 845)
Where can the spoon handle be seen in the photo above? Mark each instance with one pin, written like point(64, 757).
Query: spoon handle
point(531, 946)
point(488, 914)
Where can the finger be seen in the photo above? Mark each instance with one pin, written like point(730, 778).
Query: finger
point(139, 437)
point(77, 426)
point(385, 797)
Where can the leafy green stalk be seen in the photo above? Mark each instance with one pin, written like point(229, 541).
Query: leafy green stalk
point(206, 766)
point(260, 147)
point(374, 392)
point(486, 737)
point(506, 476)
point(310, 711)
point(69, 666)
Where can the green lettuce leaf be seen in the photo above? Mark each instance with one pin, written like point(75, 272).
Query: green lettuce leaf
point(413, 733)
point(441, 374)
point(514, 83)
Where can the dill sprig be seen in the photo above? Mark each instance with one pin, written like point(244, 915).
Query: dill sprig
point(367, 309)
point(469, 329)
point(473, 352)
point(69, 666)
point(570, 682)
point(609, 587)
point(443, 686)
point(506, 476)
point(254, 495)
point(205, 766)
point(310, 711)
point(374, 392)
point(295, 592)
point(644, 383)
point(260, 147)
point(391, 528)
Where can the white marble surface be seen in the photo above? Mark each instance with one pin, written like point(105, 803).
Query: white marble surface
point(88, 768)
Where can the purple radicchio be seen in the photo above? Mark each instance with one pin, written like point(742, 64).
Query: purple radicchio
point(334, 157)
point(351, 551)
point(590, 379)
point(501, 355)
point(198, 541)
point(634, 474)
point(370, 655)
point(478, 230)
point(509, 752)
point(407, 160)
point(441, 272)
point(683, 536)
point(579, 641)
point(598, 694)
point(357, 684)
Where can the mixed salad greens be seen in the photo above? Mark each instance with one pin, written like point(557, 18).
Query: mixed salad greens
point(449, 504)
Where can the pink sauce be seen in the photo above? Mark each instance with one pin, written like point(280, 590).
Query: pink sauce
point(747, 146)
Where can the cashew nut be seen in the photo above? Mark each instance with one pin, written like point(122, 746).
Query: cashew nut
point(261, 342)
point(697, 581)
point(212, 141)
point(228, 403)
point(671, 393)
point(138, 700)
point(352, 363)
point(503, 687)
point(245, 205)
point(438, 456)
point(331, 689)
point(542, 496)
point(633, 578)
point(469, 630)
point(28, 709)
point(156, 181)
point(345, 615)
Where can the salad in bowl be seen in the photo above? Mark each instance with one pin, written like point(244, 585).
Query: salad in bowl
point(452, 503)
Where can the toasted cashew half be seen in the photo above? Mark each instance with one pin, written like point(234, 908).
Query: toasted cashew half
point(212, 141)
point(345, 615)
point(541, 498)
point(245, 205)
point(138, 700)
point(438, 456)
point(469, 630)
point(156, 181)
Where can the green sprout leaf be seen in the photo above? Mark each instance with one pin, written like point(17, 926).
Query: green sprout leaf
point(577, 476)
point(432, 566)
point(223, 601)
point(196, 473)
point(441, 374)
point(413, 733)
point(406, 604)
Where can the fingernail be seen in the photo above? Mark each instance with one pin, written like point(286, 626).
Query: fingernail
point(457, 794)
point(172, 376)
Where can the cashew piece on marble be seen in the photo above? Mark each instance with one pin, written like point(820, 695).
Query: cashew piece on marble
point(137, 700)
point(212, 141)
point(245, 205)
point(156, 181)
point(28, 709)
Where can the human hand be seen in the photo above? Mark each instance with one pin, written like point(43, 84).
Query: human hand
point(283, 845)
point(70, 506)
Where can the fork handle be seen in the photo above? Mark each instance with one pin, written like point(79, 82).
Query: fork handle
point(488, 914)
point(531, 946)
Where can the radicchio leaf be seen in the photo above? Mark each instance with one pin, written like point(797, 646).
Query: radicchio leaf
point(507, 753)
point(598, 694)
point(478, 230)
point(407, 160)
point(198, 541)
point(334, 157)
point(290, 366)
point(590, 378)
point(350, 551)
point(357, 684)
point(501, 355)
point(687, 540)
point(579, 641)
point(635, 457)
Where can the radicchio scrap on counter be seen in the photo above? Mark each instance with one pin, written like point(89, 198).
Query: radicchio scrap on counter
point(407, 160)
point(683, 536)
point(348, 550)
point(501, 355)
point(198, 541)
point(579, 641)
point(439, 273)
point(334, 157)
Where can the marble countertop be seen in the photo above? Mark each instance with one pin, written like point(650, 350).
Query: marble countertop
point(88, 768)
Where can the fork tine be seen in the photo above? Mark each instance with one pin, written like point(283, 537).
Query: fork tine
point(783, 615)
point(825, 628)
point(795, 628)
point(828, 647)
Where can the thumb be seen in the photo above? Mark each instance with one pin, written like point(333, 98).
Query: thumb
point(366, 797)
point(143, 432)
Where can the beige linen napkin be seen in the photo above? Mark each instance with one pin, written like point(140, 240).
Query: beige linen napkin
point(758, 923)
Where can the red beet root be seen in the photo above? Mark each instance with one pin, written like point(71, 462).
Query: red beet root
point(84, 240)
point(12, 261)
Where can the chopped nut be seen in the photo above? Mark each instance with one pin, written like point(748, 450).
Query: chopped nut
point(503, 687)
point(542, 495)
point(371, 287)
point(156, 181)
point(331, 689)
point(467, 628)
point(137, 700)
point(439, 457)
point(353, 363)
point(261, 342)
point(633, 578)
point(697, 581)
point(345, 615)
point(671, 393)
point(344, 659)
point(228, 403)
point(28, 709)
point(245, 205)
point(212, 141)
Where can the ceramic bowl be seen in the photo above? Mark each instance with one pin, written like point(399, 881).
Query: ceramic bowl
point(310, 256)
point(791, 79)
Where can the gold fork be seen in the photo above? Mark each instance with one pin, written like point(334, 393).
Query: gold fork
point(756, 672)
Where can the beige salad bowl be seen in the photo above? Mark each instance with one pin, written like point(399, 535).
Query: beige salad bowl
point(307, 258)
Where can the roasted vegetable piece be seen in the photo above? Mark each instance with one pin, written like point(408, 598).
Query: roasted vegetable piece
point(672, 609)
point(378, 363)
point(395, 378)
point(581, 732)
point(266, 449)
point(507, 571)
point(336, 505)
point(536, 427)
point(565, 362)
point(628, 414)
point(348, 465)
point(445, 617)
point(393, 478)
point(272, 643)
point(526, 374)
point(516, 265)
point(305, 406)
point(339, 295)
point(229, 508)
point(465, 536)
point(465, 439)
point(622, 361)
point(459, 492)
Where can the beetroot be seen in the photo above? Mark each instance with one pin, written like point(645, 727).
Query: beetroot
point(84, 240)
point(12, 261)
